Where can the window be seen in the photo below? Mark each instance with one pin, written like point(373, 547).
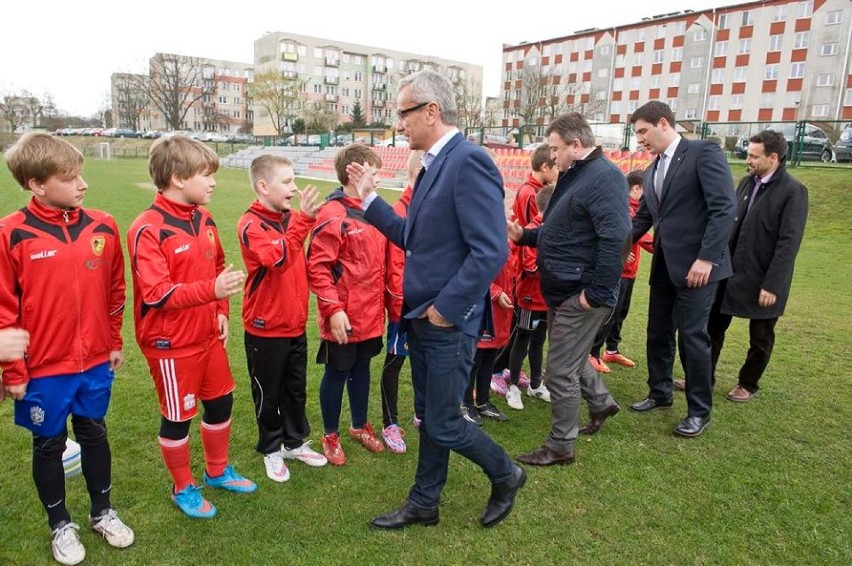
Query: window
point(740, 74)
point(637, 59)
point(680, 28)
point(622, 38)
point(658, 56)
point(600, 95)
point(615, 107)
point(696, 62)
point(833, 17)
point(587, 66)
point(737, 101)
point(802, 40)
point(819, 110)
point(797, 70)
point(767, 100)
point(317, 89)
point(590, 43)
point(672, 102)
point(532, 61)
point(618, 84)
point(317, 52)
point(744, 46)
point(715, 102)
point(619, 60)
point(677, 54)
point(771, 72)
point(691, 113)
point(674, 79)
point(723, 21)
point(655, 81)
point(778, 14)
point(699, 34)
point(548, 51)
point(825, 79)
point(828, 49)
point(635, 83)
point(632, 105)
point(605, 50)
point(357, 93)
point(805, 9)
point(848, 100)
point(659, 32)
point(748, 19)
point(718, 76)
point(720, 49)
point(775, 42)
point(603, 73)
point(693, 88)
point(359, 76)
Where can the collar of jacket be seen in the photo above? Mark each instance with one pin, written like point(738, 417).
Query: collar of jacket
point(53, 215)
point(577, 165)
point(176, 209)
point(271, 215)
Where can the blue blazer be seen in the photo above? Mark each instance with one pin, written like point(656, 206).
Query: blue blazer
point(694, 217)
point(454, 237)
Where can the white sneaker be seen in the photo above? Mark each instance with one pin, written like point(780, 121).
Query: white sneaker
point(513, 398)
point(276, 469)
point(306, 454)
point(540, 392)
point(66, 545)
point(116, 533)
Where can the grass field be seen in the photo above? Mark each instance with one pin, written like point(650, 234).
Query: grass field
point(770, 482)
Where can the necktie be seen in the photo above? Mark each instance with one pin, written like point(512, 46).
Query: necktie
point(419, 178)
point(660, 176)
point(757, 185)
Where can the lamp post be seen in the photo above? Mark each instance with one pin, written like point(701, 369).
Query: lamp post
point(710, 46)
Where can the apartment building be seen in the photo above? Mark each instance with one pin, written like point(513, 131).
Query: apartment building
point(768, 60)
point(336, 74)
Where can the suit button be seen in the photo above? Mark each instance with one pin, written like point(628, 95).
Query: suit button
point(407, 253)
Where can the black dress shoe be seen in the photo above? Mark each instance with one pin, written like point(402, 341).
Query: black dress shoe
point(648, 404)
point(503, 497)
point(692, 426)
point(406, 515)
point(596, 420)
point(544, 456)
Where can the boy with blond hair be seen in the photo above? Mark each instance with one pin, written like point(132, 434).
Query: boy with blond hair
point(275, 312)
point(180, 294)
point(74, 331)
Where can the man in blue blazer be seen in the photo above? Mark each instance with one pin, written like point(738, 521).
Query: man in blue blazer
point(689, 200)
point(455, 244)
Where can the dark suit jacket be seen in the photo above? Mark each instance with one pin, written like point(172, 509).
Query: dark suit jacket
point(454, 236)
point(694, 217)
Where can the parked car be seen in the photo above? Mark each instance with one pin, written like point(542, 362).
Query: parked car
point(152, 134)
point(843, 147)
point(242, 138)
point(215, 137)
point(122, 133)
point(398, 141)
point(814, 144)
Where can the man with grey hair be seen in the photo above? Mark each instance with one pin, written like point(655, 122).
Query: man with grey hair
point(580, 244)
point(455, 244)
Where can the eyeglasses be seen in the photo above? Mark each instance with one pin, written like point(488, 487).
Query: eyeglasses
point(403, 113)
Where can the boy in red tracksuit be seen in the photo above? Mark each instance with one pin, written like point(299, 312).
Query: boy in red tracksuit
point(531, 331)
point(275, 312)
point(610, 331)
point(397, 348)
point(346, 272)
point(476, 397)
point(62, 289)
point(180, 305)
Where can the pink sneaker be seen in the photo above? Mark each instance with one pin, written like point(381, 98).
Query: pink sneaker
point(415, 420)
point(499, 384)
point(392, 436)
point(523, 380)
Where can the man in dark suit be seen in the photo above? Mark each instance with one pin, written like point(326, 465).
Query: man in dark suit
point(455, 244)
point(689, 200)
point(772, 209)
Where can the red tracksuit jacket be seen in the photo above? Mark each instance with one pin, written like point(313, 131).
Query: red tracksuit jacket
point(525, 208)
point(346, 268)
point(275, 303)
point(396, 264)
point(175, 255)
point(61, 279)
point(502, 318)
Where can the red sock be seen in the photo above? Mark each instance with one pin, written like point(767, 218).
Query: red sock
point(176, 457)
point(215, 438)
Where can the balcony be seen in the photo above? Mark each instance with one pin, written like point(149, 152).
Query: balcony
point(377, 103)
point(331, 80)
point(289, 56)
point(381, 69)
point(380, 86)
point(332, 61)
point(289, 74)
point(332, 97)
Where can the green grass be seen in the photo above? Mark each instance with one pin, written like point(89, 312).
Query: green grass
point(768, 483)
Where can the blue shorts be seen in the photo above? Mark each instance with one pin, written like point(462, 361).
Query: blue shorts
point(45, 408)
point(397, 341)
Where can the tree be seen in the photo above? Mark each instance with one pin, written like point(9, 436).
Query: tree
point(357, 115)
point(469, 103)
point(15, 110)
point(129, 100)
point(280, 96)
point(176, 83)
point(319, 118)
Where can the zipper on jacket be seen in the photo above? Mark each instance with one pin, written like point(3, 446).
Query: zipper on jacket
point(77, 305)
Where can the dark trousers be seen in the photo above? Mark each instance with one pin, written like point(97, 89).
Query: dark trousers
point(390, 388)
point(277, 368)
point(610, 331)
point(480, 376)
point(528, 342)
point(441, 362)
point(761, 340)
point(683, 311)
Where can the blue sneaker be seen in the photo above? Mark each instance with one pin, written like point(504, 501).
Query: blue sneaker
point(190, 501)
point(232, 481)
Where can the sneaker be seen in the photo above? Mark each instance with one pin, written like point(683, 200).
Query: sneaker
point(116, 533)
point(392, 436)
point(499, 384)
point(190, 501)
point(539, 392)
point(366, 436)
point(306, 454)
point(618, 358)
point(523, 380)
point(492, 412)
point(513, 398)
point(679, 384)
point(470, 414)
point(415, 420)
point(232, 481)
point(740, 394)
point(66, 545)
point(276, 469)
point(332, 450)
point(598, 365)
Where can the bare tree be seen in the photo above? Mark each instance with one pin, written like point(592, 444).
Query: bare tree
point(15, 110)
point(319, 117)
point(280, 96)
point(35, 107)
point(469, 103)
point(176, 83)
point(129, 99)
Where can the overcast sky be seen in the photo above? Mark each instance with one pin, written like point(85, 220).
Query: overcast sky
point(70, 49)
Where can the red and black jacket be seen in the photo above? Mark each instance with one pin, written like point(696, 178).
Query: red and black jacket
point(396, 264)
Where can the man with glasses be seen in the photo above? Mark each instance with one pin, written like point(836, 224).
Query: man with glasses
point(455, 244)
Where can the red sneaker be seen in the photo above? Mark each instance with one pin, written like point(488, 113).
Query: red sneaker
point(598, 365)
point(367, 437)
point(618, 358)
point(332, 450)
